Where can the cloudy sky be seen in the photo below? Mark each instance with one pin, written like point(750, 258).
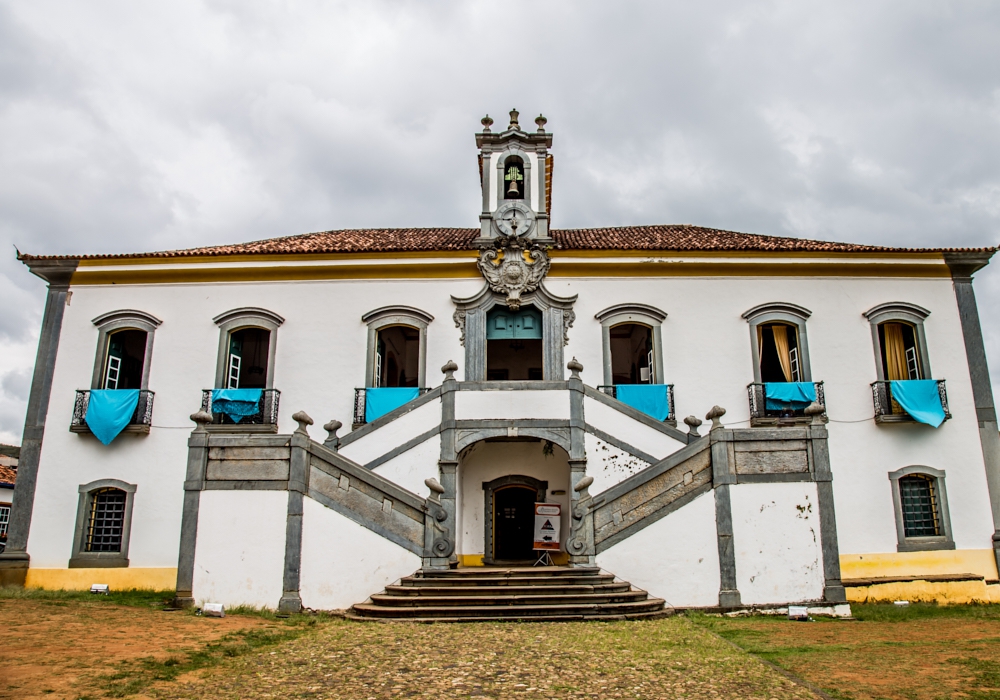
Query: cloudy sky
point(131, 126)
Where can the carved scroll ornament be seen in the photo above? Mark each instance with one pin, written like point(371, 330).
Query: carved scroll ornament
point(513, 267)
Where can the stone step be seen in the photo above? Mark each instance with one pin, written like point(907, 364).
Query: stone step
point(482, 601)
point(665, 612)
point(532, 571)
point(459, 588)
point(650, 605)
point(487, 580)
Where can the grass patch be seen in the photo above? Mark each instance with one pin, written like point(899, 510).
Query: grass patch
point(887, 612)
point(142, 598)
point(135, 676)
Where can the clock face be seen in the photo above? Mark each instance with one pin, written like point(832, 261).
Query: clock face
point(514, 219)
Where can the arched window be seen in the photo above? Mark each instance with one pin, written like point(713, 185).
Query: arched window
point(631, 336)
point(513, 178)
point(898, 337)
point(921, 506)
point(124, 349)
point(247, 344)
point(397, 347)
point(103, 524)
point(778, 340)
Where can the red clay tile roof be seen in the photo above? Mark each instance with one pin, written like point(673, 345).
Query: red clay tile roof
point(8, 475)
point(673, 237)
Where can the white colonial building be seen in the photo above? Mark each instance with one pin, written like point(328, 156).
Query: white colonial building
point(468, 374)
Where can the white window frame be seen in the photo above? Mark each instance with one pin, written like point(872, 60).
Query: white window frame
point(122, 319)
point(787, 313)
point(904, 312)
point(642, 314)
point(395, 316)
point(236, 320)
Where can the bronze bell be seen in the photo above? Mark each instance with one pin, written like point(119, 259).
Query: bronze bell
point(513, 187)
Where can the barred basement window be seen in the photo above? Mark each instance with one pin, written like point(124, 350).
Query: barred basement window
point(920, 516)
point(921, 504)
point(107, 521)
point(4, 519)
point(103, 523)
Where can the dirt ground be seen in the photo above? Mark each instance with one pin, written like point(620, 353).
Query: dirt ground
point(57, 649)
point(920, 659)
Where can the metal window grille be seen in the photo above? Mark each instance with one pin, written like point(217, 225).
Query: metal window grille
point(4, 520)
point(106, 521)
point(234, 372)
point(919, 501)
point(114, 371)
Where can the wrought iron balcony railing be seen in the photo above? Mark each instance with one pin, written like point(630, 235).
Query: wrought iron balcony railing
point(759, 412)
point(141, 419)
point(888, 411)
point(360, 405)
point(612, 391)
point(267, 409)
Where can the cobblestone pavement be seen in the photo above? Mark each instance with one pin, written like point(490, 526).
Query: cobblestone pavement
point(669, 658)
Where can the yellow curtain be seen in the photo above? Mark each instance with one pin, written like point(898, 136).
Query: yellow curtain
point(781, 343)
point(895, 352)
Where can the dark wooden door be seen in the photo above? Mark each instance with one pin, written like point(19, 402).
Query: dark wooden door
point(514, 520)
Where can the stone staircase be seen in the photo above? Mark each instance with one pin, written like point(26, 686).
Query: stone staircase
point(550, 593)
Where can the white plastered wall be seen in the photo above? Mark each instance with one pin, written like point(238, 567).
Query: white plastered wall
point(676, 558)
point(609, 465)
point(343, 563)
point(412, 467)
point(397, 432)
point(776, 537)
point(240, 553)
point(473, 405)
point(485, 461)
point(642, 437)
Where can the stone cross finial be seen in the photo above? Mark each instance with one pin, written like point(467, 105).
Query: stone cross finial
point(487, 123)
point(202, 418)
point(513, 119)
point(436, 489)
point(449, 370)
point(575, 367)
point(692, 422)
point(332, 441)
point(715, 416)
point(541, 121)
point(304, 421)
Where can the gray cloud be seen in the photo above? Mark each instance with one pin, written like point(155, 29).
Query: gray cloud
point(129, 127)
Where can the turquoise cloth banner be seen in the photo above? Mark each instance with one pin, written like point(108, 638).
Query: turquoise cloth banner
point(236, 403)
point(380, 401)
point(785, 395)
point(109, 411)
point(919, 398)
point(651, 399)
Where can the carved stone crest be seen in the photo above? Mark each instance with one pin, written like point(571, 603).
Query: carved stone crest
point(512, 267)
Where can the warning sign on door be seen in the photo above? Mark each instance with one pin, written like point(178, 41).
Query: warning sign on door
point(547, 526)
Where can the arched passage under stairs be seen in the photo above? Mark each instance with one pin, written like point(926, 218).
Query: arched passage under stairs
point(499, 480)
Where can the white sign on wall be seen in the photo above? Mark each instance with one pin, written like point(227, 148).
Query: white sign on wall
point(547, 526)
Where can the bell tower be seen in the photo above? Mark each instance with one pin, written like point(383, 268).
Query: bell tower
point(515, 169)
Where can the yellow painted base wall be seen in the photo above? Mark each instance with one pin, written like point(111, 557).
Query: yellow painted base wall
point(558, 559)
point(946, 593)
point(955, 561)
point(118, 579)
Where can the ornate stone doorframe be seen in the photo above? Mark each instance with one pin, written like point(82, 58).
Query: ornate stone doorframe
point(557, 318)
point(489, 488)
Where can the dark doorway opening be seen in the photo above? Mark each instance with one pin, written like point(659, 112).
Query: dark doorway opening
point(126, 357)
point(632, 354)
point(248, 358)
point(513, 523)
point(397, 356)
point(514, 344)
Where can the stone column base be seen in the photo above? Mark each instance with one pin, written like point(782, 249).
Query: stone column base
point(290, 603)
point(729, 599)
point(14, 568)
